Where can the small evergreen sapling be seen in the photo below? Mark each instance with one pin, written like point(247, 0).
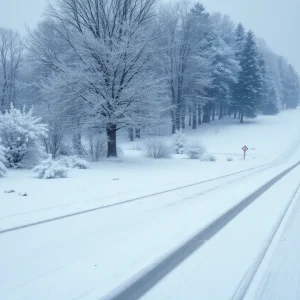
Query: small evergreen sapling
point(180, 142)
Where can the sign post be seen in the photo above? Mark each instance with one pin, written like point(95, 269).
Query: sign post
point(245, 149)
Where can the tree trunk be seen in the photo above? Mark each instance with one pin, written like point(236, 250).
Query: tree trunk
point(183, 117)
point(213, 112)
point(194, 116)
point(207, 112)
point(242, 117)
point(111, 132)
point(138, 133)
point(190, 116)
point(221, 112)
point(235, 114)
point(77, 144)
point(240, 114)
point(131, 136)
point(177, 117)
point(173, 122)
point(199, 115)
point(229, 111)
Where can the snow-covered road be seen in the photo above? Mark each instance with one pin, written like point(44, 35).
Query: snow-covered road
point(87, 256)
point(220, 268)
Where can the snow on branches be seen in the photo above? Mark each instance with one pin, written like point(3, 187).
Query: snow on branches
point(19, 133)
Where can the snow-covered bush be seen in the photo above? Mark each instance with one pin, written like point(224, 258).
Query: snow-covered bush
point(74, 162)
point(180, 142)
point(2, 161)
point(229, 158)
point(156, 148)
point(49, 169)
point(194, 150)
point(207, 157)
point(20, 132)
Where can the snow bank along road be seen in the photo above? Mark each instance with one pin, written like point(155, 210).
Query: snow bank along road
point(88, 255)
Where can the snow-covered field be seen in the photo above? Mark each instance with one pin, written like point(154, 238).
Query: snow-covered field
point(133, 175)
point(87, 256)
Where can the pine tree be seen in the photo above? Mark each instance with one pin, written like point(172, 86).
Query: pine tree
point(271, 104)
point(240, 37)
point(225, 64)
point(292, 88)
point(249, 85)
point(240, 34)
point(180, 142)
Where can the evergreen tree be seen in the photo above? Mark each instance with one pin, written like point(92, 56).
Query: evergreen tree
point(271, 104)
point(225, 65)
point(240, 36)
point(282, 73)
point(264, 79)
point(249, 84)
point(292, 88)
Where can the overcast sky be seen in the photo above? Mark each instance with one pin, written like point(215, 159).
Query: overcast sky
point(276, 22)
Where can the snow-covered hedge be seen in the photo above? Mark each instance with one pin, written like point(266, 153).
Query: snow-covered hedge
point(2, 161)
point(207, 157)
point(180, 142)
point(229, 158)
point(20, 132)
point(195, 150)
point(74, 162)
point(49, 169)
point(157, 148)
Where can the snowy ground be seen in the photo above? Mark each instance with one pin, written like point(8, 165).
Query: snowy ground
point(110, 182)
point(87, 256)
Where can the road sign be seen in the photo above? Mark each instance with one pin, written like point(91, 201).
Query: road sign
point(245, 149)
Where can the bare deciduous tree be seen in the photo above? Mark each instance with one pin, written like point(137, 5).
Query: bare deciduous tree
point(11, 49)
point(104, 72)
point(183, 44)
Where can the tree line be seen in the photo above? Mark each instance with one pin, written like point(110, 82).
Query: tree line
point(99, 66)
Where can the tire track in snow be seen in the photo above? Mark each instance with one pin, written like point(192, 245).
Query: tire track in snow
point(247, 280)
point(260, 168)
point(139, 285)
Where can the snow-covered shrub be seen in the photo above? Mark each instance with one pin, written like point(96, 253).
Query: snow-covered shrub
point(229, 158)
point(49, 169)
point(74, 162)
point(156, 148)
point(2, 161)
point(194, 150)
point(207, 157)
point(20, 132)
point(180, 142)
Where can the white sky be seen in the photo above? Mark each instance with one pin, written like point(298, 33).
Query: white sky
point(275, 21)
